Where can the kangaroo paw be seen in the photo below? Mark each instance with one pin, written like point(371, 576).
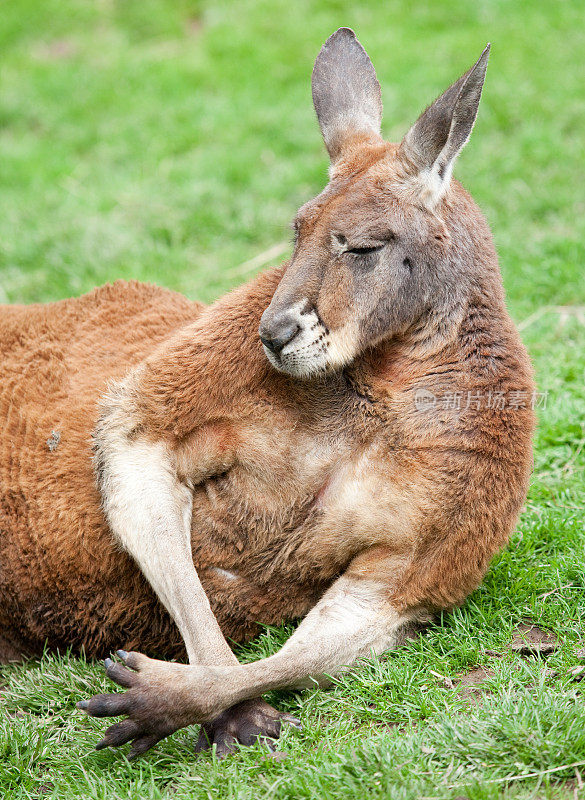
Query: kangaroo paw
point(159, 701)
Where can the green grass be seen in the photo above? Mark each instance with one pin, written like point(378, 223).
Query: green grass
point(172, 142)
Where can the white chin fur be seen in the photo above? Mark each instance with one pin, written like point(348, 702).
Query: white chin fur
point(314, 350)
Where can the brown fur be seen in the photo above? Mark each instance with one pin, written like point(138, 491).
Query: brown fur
point(64, 581)
point(62, 578)
point(294, 481)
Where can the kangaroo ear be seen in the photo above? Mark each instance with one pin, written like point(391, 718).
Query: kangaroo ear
point(346, 92)
point(431, 146)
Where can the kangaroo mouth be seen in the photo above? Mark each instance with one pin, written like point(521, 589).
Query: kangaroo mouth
point(315, 349)
point(298, 346)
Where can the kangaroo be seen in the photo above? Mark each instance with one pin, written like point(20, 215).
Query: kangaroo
point(346, 438)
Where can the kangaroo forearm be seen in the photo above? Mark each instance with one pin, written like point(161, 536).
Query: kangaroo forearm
point(166, 562)
point(352, 620)
point(201, 633)
point(149, 509)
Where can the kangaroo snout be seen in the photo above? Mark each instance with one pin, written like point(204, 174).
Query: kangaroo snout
point(278, 329)
point(294, 339)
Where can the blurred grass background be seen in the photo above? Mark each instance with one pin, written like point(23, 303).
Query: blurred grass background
point(172, 142)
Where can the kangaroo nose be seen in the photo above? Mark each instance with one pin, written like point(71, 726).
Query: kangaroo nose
point(278, 332)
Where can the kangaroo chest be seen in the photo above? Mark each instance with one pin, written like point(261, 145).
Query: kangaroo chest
point(274, 530)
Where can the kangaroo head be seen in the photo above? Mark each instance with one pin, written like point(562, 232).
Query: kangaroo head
point(374, 255)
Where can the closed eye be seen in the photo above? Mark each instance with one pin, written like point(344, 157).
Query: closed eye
point(364, 251)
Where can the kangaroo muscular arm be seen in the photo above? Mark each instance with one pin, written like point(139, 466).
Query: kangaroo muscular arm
point(148, 507)
point(149, 512)
point(354, 619)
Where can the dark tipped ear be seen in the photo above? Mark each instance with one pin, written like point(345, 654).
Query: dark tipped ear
point(437, 137)
point(346, 92)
